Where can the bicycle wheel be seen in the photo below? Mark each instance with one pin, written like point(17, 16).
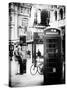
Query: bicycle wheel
point(40, 69)
point(33, 70)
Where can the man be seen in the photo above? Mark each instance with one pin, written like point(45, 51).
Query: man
point(18, 56)
point(39, 53)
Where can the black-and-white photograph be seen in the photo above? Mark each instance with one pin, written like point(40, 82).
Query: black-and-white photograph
point(36, 44)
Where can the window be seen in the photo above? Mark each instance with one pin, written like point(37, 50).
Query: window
point(61, 13)
point(55, 15)
point(45, 18)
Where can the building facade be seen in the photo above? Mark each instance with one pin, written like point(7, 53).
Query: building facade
point(28, 19)
point(18, 20)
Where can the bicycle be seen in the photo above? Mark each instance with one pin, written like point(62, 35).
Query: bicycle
point(37, 68)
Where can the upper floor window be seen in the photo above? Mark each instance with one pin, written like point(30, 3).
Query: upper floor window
point(55, 15)
point(61, 13)
point(45, 17)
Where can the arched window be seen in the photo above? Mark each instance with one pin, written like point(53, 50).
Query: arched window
point(61, 13)
point(55, 15)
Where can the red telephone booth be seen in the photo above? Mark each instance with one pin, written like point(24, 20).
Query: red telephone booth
point(52, 55)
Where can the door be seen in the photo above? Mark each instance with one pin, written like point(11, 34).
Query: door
point(52, 56)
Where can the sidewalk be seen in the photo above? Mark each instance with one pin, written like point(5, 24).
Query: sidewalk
point(26, 79)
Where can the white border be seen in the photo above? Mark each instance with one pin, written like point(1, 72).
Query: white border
point(4, 43)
